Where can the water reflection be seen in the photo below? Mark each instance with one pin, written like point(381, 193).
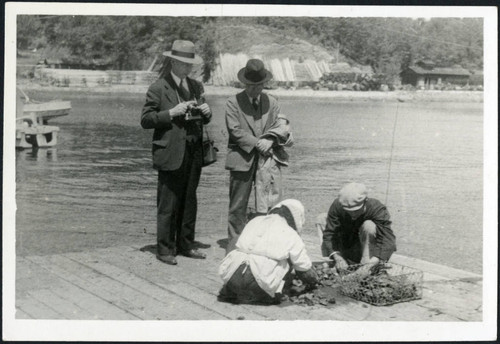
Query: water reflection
point(99, 180)
point(39, 155)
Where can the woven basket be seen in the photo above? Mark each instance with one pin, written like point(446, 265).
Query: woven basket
point(390, 284)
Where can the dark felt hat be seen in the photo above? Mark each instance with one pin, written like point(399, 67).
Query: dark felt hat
point(254, 73)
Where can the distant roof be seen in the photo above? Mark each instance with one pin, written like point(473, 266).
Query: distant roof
point(344, 67)
point(440, 70)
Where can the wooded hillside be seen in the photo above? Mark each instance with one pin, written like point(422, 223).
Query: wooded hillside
point(131, 43)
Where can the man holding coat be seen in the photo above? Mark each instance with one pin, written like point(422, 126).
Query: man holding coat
point(249, 115)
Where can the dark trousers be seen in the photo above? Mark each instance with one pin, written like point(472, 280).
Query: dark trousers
point(177, 203)
point(240, 188)
point(243, 288)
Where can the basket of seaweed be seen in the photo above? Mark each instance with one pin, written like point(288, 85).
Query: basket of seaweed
point(381, 284)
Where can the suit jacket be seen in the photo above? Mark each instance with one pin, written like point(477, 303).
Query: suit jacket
point(243, 134)
point(169, 136)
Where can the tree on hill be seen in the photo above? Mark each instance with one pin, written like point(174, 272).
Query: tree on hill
point(388, 45)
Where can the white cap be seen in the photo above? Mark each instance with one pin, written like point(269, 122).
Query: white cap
point(352, 196)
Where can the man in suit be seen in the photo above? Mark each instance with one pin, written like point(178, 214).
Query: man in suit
point(248, 115)
point(177, 150)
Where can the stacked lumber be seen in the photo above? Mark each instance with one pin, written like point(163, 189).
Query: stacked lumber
point(284, 70)
point(82, 77)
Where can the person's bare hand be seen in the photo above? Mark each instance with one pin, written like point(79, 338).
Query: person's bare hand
point(340, 262)
point(180, 109)
point(264, 145)
point(205, 109)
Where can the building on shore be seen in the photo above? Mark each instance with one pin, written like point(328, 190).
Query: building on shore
point(424, 74)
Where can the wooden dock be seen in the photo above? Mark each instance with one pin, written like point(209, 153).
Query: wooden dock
point(129, 283)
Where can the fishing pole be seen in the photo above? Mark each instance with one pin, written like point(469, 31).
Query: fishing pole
point(392, 151)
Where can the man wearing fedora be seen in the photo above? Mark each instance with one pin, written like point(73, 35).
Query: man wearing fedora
point(177, 150)
point(248, 115)
point(357, 229)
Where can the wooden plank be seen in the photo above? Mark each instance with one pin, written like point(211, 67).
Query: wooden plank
point(36, 309)
point(405, 311)
point(196, 273)
point(428, 267)
point(69, 309)
point(472, 293)
point(22, 315)
point(118, 309)
point(345, 309)
point(137, 264)
point(169, 306)
point(194, 285)
point(153, 290)
point(446, 302)
point(202, 297)
point(28, 276)
point(93, 304)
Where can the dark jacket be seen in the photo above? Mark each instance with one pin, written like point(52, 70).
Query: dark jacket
point(342, 232)
point(169, 137)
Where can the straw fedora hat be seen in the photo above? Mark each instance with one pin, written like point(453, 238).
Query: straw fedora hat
point(254, 73)
point(183, 51)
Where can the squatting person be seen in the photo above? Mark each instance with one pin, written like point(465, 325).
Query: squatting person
point(267, 250)
point(251, 115)
point(357, 229)
point(177, 150)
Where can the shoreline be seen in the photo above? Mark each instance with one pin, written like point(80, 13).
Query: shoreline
point(225, 91)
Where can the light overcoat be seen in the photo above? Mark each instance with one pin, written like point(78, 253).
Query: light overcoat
point(242, 129)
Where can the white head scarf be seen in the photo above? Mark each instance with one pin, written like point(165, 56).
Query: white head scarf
point(297, 210)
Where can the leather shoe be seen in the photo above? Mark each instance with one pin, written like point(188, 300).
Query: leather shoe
point(167, 259)
point(194, 254)
point(197, 244)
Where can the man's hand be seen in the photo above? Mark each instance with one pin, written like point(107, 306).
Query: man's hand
point(264, 145)
point(340, 263)
point(205, 109)
point(180, 109)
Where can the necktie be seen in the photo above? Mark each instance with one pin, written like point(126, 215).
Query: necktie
point(255, 104)
point(184, 90)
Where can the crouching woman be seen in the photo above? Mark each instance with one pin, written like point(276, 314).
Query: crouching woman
point(259, 268)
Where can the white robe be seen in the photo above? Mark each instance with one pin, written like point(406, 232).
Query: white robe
point(267, 243)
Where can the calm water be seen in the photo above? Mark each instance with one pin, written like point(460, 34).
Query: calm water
point(97, 188)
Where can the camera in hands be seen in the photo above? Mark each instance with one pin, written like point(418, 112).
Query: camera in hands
point(193, 113)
